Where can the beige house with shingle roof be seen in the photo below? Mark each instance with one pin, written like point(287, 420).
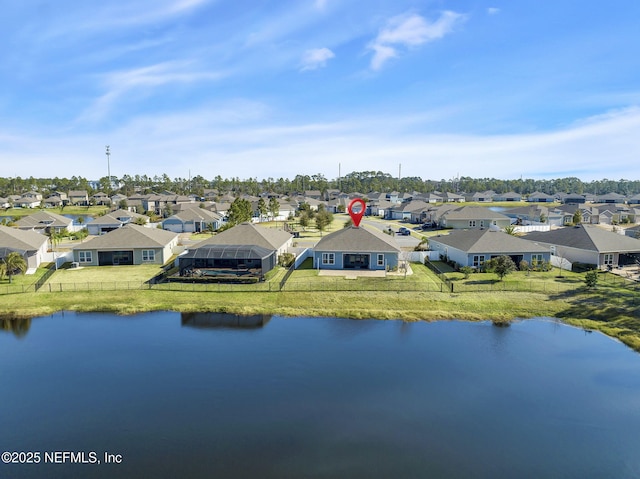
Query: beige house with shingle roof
point(31, 245)
point(470, 217)
point(590, 244)
point(129, 245)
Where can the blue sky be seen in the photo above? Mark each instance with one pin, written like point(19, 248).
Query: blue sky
point(258, 89)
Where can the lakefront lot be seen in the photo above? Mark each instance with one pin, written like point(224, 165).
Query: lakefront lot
point(612, 307)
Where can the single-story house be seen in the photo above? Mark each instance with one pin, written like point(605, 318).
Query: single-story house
point(129, 245)
point(356, 248)
point(249, 234)
point(611, 198)
point(379, 207)
point(474, 247)
point(482, 196)
point(410, 211)
point(527, 215)
point(509, 196)
point(540, 197)
point(452, 198)
point(572, 198)
point(468, 217)
point(192, 220)
point(31, 245)
point(112, 221)
point(589, 244)
point(44, 221)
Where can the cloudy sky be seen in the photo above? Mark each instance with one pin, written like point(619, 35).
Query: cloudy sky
point(261, 88)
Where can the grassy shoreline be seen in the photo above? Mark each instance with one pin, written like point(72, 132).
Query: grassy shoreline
point(618, 320)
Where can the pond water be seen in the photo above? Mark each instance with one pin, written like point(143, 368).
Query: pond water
point(204, 395)
point(85, 219)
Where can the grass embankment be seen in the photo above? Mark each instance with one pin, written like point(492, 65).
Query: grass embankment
point(610, 307)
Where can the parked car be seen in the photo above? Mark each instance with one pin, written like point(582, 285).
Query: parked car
point(404, 231)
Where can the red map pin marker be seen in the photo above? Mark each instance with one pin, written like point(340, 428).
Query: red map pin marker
point(356, 213)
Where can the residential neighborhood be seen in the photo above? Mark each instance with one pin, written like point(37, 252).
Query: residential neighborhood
point(252, 233)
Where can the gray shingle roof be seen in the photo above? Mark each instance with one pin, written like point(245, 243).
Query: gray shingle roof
point(587, 237)
point(360, 239)
point(20, 240)
point(488, 241)
point(250, 234)
point(42, 219)
point(474, 213)
point(131, 236)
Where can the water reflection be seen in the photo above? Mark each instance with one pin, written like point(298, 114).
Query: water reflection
point(224, 320)
point(19, 327)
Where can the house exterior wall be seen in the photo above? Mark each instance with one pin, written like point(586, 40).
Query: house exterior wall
point(474, 223)
point(467, 259)
point(390, 260)
point(575, 255)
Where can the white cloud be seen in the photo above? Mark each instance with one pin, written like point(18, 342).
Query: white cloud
point(119, 83)
point(241, 139)
point(493, 11)
point(410, 30)
point(316, 58)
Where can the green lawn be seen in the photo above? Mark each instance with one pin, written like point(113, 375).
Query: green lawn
point(105, 274)
point(20, 282)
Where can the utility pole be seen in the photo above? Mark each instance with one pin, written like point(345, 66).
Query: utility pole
point(108, 152)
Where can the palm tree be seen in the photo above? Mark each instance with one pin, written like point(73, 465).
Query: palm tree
point(12, 263)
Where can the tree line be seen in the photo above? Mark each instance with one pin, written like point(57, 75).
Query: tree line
point(355, 182)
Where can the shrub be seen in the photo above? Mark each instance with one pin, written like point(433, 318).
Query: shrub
point(466, 270)
point(286, 259)
point(591, 278)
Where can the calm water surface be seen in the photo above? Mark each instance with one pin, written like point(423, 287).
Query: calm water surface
point(214, 396)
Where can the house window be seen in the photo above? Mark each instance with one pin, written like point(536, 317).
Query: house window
point(537, 258)
point(85, 257)
point(482, 224)
point(148, 255)
point(478, 260)
point(472, 223)
point(380, 260)
point(608, 259)
point(328, 258)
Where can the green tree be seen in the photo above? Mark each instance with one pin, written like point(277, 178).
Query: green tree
point(239, 211)
point(304, 220)
point(262, 208)
point(11, 265)
point(577, 217)
point(501, 265)
point(591, 278)
point(466, 271)
point(274, 207)
point(323, 219)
